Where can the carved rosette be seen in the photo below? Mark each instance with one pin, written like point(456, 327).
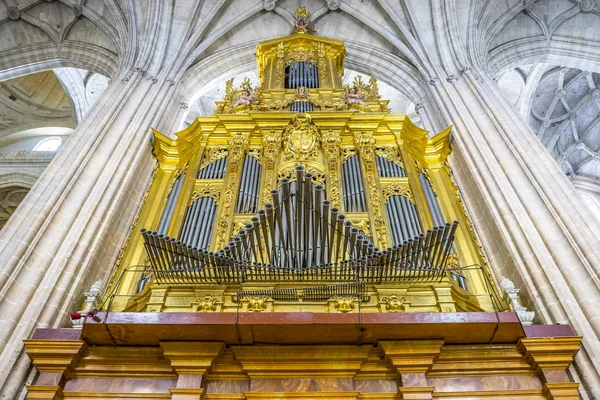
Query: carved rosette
point(331, 148)
point(271, 146)
point(237, 147)
point(365, 143)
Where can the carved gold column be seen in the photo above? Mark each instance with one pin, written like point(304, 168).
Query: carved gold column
point(237, 150)
point(271, 146)
point(190, 360)
point(53, 360)
point(331, 148)
point(551, 358)
point(412, 360)
point(365, 144)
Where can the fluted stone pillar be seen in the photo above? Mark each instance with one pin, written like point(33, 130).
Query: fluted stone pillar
point(535, 228)
point(69, 229)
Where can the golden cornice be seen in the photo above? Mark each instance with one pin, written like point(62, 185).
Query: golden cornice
point(438, 148)
point(173, 153)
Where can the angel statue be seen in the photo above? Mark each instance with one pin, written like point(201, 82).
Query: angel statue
point(355, 96)
point(246, 98)
point(302, 22)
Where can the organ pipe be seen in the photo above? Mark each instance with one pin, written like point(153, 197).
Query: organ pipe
point(352, 185)
point(302, 74)
point(214, 170)
point(432, 201)
point(198, 223)
point(167, 215)
point(248, 193)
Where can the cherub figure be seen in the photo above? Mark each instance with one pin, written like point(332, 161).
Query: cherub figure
point(302, 22)
point(301, 92)
point(355, 96)
point(246, 98)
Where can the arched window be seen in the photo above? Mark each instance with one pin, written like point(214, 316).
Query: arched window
point(48, 144)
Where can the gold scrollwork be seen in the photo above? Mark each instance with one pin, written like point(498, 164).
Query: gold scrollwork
point(344, 303)
point(331, 147)
point(396, 189)
point(257, 303)
point(394, 304)
point(365, 143)
point(211, 155)
point(322, 53)
point(207, 304)
point(362, 224)
point(271, 146)
point(256, 153)
point(346, 153)
point(237, 147)
point(390, 153)
point(207, 190)
point(301, 138)
point(280, 65)
point(290, 173)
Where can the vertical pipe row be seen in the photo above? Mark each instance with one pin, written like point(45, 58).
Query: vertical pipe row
point(432, 201)
point(215, 170)
point(352, 185)
point(249, 186)
point(389, 169)
point(403, 219)
point(167, 215)
point(198, 223)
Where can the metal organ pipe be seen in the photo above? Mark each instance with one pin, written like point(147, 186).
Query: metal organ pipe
point(432, 202)
point(167, 215)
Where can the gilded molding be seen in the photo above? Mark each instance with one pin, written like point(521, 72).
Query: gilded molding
point(365, 143)
point(396, 189)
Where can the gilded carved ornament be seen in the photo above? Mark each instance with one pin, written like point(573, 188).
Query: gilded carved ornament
point(207, 190)
point(271, 146)
point(237, 149)
point(207, 304)
point(365, 143)
point(239, 100)
point(211, 155)
point(346, 153)
point(390, 153)
point(290, 173)
point(257, 303)
point(394, 304)
point(301, 138)
point(331, 148)
point(344, 304)
point(396, 189)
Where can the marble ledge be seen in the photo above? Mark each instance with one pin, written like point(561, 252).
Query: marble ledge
point(148, 329)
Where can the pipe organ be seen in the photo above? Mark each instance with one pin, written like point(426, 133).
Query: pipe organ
point(303, 183)
point(301, 243)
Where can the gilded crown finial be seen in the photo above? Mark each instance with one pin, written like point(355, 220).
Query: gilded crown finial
point(302, 12)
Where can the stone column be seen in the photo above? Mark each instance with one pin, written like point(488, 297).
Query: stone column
point(68, 231)
point(533, 225)
point(190, 360)
point(413, 359)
